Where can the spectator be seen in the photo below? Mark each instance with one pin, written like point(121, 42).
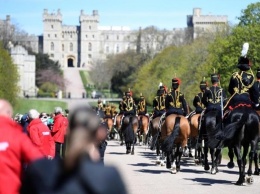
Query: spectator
point(25, 122)
point(79, 172)
point(15, 149)
point(40, 134)
point(59, 130)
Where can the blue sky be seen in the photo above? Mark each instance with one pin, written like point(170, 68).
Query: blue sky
point(27, 14)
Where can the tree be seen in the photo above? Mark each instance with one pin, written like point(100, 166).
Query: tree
point(250, 15)
point(8, 77)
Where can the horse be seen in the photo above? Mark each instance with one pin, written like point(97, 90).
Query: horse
point(129, 129)
point(118, 122)
point(155, 129)
point(110, 124)
point(241, 129)
point(193, 139)
point(174, 131)
point(212, 121)
point(143, 128)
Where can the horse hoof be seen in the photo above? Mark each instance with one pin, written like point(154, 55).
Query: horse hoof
point(127, 151)
point(231, 165)
point(239, 183)
point(178, 168)
point(132, 153)
point(213, 171)
point(162, 163)
point(206, 167)
point(190, 155)
point(173, 170)
point(249, 180)
point(168, 165)
point(121, 143)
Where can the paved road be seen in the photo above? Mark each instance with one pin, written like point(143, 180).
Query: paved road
point(142, 176)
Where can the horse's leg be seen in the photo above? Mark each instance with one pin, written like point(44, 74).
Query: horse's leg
point(252, 156)
point(133, 149)
point(215, 161)
point(241, 178)
point(256, 163)
point(212, 152)
point(231, 157)
point(178, 158)
point(206, 162)
point(168, 160)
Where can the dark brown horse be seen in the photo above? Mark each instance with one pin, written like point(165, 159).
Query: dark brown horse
point(110, 124)
point(143, 128)
point(174, 134)
point(118, 127)
point(129, 130)
point(193, 139)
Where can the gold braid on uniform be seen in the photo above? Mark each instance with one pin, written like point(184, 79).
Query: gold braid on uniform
point(176, 102)
point(142, 106)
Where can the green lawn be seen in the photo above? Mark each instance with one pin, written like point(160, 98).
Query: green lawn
point(24, 105)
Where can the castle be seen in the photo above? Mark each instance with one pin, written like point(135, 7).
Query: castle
point(78, 46)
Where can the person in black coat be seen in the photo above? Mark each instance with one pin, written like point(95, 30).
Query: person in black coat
point(80, 172)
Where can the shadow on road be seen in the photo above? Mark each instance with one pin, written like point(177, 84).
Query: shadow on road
point(142, 164)
point(208, 181)
point(229, 172)
point(186, 170)
point(116, 153)
point(152, 171)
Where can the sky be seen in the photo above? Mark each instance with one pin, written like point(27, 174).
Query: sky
point(169, 14)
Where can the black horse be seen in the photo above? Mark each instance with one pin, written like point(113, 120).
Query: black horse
point(129, 129)
point(212, 121)
point(241, 129)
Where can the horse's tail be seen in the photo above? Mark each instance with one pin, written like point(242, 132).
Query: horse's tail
point(233, 128)
point(141, 122)
point(228, 133)
point(129, 132)
point(168, 143)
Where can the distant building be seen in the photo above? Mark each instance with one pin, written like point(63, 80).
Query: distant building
point(205, 23)
point(78, 46)
point(26, 69)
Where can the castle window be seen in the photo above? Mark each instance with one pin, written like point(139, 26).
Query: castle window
point(51, 26)
point(117, 37)
point(89, 27)
point(52, 46)
point(93, 36)
point(89, 47)
point(71, 46)
point(107, 49)
point(55, 35)
point(107, 37)
point(52, 55)
point(86, 35)
point(89, 56)
point(49, 35)
point(62, 47)
point(117, 48)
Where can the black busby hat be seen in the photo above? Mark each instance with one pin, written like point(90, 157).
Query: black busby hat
point(203, 84)
point(243, 61)
point(214, 78)
point(160, 92)
point(258, 73)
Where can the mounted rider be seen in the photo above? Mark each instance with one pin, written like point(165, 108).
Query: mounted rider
point(121, 108)
point(142, 107)
point(242, 89)
point(257, 84)
point(108, 112)
point(175, 102)
point(129, 105)
point(159, 103)
point(99, 105)
point(197, 101)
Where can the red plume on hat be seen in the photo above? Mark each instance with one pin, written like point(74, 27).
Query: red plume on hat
point(176, 80)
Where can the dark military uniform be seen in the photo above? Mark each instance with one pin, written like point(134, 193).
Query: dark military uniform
point(197, 101)
point(108, 112)
point(175, 102)
point(257, 84)
point(129, 105)
point(242, 86)
point(142, 107)
point(159, 104)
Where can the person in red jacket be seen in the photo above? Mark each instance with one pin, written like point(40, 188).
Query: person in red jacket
point(40, 134)
point(59, 130)
point(16, 149)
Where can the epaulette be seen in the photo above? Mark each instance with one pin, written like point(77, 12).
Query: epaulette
point(234, 75)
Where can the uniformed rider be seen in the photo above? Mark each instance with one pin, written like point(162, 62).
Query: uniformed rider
point(159, 103)
point(142, 107)
point(241, 87)
point(175, 102)
point(197, 101)
point(129, 105)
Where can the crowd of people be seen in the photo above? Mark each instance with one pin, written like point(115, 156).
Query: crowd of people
point(56, 153)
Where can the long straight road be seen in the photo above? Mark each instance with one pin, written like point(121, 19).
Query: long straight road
point(142, 176)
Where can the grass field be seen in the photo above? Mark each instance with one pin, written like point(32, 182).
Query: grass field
point(24, 105)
